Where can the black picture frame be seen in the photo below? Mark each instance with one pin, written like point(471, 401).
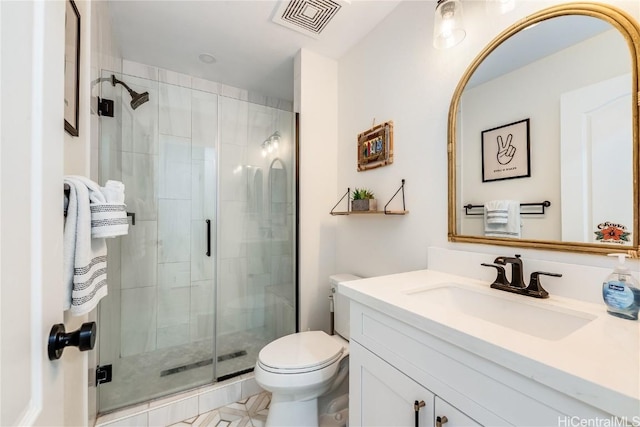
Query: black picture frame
point(71, 68)
point(506, 152)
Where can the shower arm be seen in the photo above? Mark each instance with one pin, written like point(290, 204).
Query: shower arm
point(115, 81)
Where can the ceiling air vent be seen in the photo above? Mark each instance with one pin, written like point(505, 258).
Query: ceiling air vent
point(308, 17)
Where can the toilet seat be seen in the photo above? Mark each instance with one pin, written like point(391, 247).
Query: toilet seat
point(299, 353)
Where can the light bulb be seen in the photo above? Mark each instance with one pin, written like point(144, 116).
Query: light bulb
point(448, 29)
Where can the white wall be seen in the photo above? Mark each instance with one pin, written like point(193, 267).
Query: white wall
point(97, 50)
point(316, 89)
point(396, 74)
point(573, 68)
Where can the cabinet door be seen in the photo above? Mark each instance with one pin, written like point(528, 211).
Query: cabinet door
point(380, 395)
point(454, 418)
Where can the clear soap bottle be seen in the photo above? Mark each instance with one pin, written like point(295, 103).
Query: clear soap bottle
point(621, 292)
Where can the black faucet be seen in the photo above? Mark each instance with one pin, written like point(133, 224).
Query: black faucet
point(517, 275)
point(517, 284)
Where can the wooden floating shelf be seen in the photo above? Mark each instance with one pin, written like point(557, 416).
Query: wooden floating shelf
point(370, 213)
point(347, 195)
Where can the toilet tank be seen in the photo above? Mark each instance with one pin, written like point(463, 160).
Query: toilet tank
point(340, 304)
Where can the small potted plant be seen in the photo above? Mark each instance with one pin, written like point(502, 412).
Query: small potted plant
point(363, 200)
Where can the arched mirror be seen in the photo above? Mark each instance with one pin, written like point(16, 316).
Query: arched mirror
point(543, 135)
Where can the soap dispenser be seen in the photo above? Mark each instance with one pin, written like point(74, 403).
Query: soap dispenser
point(621, 292)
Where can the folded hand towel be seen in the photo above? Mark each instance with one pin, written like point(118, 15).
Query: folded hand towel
point(500, 229)
point(109, 220)
point(85, 259)
point(497, 211)
point(113, 192)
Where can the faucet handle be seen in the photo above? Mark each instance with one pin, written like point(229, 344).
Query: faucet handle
point(545, 273)
point(501, 278)
point(535, 288)
point(502, 260)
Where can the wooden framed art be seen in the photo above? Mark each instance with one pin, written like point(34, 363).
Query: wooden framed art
point(71, 68)
point(375, 147)
point(505, 152)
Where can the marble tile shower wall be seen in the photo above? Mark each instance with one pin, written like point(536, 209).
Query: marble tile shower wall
point(166, 155)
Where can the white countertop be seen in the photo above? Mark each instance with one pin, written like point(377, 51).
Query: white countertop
point(598, 364)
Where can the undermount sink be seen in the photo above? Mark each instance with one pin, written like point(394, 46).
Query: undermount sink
point(530, 317)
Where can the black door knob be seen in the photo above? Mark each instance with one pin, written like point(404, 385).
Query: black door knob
point(83, 338)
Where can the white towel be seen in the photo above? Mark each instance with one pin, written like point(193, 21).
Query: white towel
point(109, 218)
point(512, 228)
point(85, 259)
point(113, 192)
point(497, 211)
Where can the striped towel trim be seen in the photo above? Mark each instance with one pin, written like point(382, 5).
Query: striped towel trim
point(109, 220)
point(105, 207)
point(497, 216)
point(98, 290)
point(89, 285)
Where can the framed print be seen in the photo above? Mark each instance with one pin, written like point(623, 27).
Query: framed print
point(375, 147)
point(505, 152)
point(71, 68)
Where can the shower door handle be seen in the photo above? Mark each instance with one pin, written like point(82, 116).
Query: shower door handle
point(208, 253)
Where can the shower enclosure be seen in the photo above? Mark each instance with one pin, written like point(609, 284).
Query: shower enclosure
point(206, 276)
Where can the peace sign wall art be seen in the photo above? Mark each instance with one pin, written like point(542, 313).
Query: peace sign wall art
point(505, 152)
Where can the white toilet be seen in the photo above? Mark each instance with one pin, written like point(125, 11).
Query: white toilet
point(299, 368)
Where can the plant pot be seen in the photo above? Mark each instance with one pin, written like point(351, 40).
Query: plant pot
point(364, 205)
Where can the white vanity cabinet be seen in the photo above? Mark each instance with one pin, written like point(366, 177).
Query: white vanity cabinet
point(393, 364)
point(387, 397)
point(384, 396)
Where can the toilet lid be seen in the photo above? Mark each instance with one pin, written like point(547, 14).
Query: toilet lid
point(303, 350)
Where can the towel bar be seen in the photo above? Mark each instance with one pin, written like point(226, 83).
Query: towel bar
point(542, 205)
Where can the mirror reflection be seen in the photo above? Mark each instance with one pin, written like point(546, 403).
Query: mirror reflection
point(548, 116)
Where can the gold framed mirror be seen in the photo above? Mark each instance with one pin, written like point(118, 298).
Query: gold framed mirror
point(543, 135)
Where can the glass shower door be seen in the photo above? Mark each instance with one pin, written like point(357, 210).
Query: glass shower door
point(157, 324)
point(256, 225)
point(206, 276)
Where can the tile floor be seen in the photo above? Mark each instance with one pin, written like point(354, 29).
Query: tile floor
point(250, 412)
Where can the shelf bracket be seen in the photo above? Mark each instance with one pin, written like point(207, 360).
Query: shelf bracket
point(386, 212)
point(348, 196)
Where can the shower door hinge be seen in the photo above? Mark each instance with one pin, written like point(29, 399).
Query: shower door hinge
point(105, 107)
point(103, 374)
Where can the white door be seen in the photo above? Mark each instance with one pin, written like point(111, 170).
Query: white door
point(31, 217)
point(380, 395)
point(597, 158)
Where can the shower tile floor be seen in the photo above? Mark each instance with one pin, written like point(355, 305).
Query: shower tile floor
point(250, 412)
point(137, 378)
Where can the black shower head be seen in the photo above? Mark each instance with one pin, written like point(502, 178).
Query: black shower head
point(137, 99)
